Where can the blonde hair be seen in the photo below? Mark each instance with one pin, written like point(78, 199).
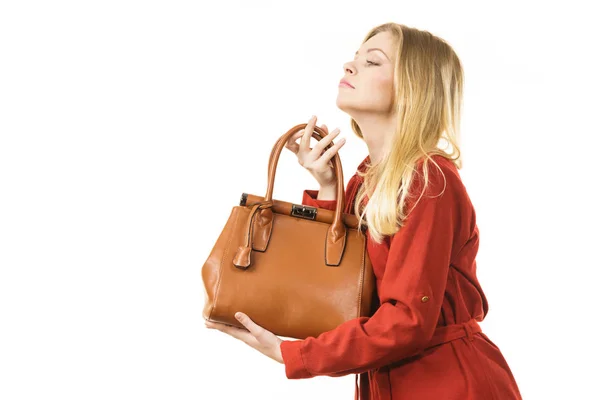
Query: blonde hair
point(428, 86)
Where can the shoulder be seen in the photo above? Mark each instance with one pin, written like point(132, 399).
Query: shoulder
point(442, 176)
point(445, 193)
point(444, 202)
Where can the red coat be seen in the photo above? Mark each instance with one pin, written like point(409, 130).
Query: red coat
point(423, 341)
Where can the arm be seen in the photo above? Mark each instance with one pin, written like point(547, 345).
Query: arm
point(417, 266)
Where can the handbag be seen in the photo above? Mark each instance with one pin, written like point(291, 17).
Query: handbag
point(296, 270)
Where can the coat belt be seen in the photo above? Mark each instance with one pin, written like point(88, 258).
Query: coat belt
point(442, 334)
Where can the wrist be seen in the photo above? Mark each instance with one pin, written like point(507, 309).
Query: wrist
point(327, 192)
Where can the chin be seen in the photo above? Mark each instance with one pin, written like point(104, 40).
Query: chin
point(349, 107)
point(344, 104)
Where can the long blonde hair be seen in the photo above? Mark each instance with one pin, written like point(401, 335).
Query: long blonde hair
point(428, 85)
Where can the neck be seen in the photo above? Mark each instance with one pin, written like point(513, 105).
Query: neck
point(376, 129)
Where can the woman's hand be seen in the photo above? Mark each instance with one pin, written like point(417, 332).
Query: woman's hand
point(254, 336)
point(315, 160)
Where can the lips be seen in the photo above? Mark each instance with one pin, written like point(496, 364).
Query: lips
point(344, 82)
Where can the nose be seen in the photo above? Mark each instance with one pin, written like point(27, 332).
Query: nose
point(349, 68)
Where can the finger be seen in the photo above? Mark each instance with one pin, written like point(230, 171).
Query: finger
point(254, 329)
point(295, 136)
point(321, 144)
point(293, 147)
point(233, 331)
point(308, 131)
point(215, 325)
point(240, 334)
point(324, 127)
point(329, 153)
point(291, 143)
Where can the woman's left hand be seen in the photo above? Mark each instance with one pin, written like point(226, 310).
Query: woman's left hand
point(254, 336)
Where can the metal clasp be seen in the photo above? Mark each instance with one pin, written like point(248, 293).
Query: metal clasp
point(303, 211)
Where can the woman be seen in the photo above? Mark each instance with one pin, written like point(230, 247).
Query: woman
point(403, 91)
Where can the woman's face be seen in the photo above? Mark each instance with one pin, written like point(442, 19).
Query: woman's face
point(371, 74)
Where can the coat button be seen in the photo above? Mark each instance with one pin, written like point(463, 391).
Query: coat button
point(424, 299)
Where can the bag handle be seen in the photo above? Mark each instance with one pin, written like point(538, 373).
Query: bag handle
point(338, 229)
point(319, 132)
point(335, 240)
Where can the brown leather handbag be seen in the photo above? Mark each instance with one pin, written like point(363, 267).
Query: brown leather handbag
point(296, 270)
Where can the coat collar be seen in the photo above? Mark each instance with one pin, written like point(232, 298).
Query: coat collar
point(362, 167)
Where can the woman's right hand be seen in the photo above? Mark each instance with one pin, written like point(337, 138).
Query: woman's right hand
point(315, 160)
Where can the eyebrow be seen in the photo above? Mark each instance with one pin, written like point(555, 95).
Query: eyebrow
point(372, 49)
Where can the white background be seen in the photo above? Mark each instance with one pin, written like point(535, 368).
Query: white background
point(129, 129)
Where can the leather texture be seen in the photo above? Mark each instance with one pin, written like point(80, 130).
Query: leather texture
point(296, 270)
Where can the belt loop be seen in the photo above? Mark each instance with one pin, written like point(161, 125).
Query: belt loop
point(469, 330)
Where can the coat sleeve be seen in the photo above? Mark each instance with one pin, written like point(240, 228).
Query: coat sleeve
point(309, 198)
point(411, 291)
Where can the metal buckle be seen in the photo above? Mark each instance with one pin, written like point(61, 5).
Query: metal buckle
point(303, 211)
